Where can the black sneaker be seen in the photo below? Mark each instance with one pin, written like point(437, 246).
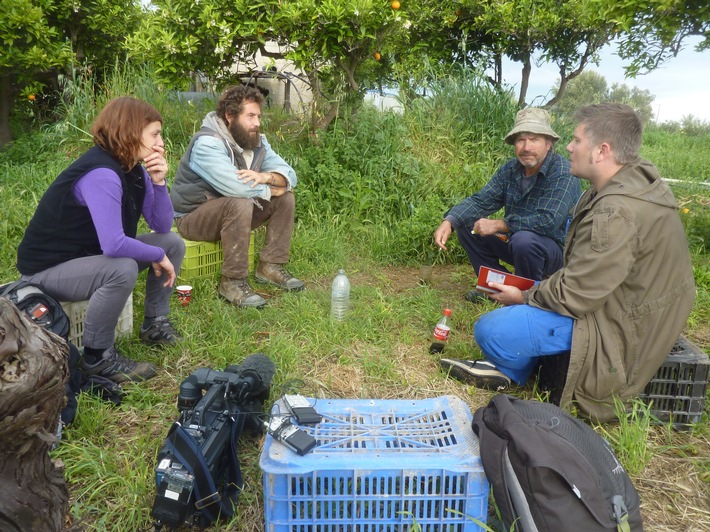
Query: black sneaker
point(159, 332)
point(474, 296)
point(114, 366)
point(480, 373)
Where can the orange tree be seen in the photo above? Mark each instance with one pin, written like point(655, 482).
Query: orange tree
point(654, 31)
point(343, 47)
point(30, 46)
point(335, 43)
point(332, 42)
point(42, 39)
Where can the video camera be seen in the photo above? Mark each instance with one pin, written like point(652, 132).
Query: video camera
point(198, 477)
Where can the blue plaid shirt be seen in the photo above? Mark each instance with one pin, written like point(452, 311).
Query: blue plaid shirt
point(542, 208)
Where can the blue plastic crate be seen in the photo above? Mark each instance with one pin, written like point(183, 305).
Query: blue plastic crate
point(380, 465)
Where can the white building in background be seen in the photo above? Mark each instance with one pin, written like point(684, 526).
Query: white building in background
point(285, 86)
point(384, 102)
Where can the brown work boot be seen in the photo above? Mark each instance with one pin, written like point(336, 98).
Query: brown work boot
point(239, 293)
point(277, 275)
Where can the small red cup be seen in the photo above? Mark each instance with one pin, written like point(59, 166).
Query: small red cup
point(184, 293)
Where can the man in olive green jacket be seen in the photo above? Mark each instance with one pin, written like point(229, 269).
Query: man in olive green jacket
point(624, 293)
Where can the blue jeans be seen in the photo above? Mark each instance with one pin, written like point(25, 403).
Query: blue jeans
point(532, 255)
point(514, 337)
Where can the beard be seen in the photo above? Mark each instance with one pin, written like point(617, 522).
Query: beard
point(247, 140)
point(530, 163)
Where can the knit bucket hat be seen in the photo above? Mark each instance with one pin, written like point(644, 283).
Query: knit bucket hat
point(531, 120)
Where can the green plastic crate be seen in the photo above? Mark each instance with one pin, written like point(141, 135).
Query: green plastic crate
point(204, 259)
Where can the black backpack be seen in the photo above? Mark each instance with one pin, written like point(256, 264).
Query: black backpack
point(40, 307)
point(550, 471)
point(47, 312)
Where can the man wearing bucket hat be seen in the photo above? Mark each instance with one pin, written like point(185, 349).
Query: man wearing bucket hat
point(609, 317)
point(537, 193)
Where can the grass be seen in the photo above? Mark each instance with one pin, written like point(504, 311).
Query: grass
point(630, 436)
point(372, 190)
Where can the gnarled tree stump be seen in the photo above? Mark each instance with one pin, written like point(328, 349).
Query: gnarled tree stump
point(33, 370)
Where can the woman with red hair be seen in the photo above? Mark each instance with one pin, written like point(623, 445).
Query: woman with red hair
point(83, 243)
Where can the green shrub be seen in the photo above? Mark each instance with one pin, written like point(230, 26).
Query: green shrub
point(361, 169)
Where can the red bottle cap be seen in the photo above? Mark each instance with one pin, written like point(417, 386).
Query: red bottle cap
point(447, 312)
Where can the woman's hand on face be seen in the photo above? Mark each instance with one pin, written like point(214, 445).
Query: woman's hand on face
point(156, 165)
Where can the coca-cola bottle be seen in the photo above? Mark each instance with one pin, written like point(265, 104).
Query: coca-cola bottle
point(441, 333)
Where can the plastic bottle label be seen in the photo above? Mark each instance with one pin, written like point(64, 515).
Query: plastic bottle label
point(441, 332)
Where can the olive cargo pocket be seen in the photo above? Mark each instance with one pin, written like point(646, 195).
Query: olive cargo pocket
point(600, 231)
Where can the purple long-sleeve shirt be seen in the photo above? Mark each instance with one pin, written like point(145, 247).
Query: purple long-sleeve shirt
point(100, 190)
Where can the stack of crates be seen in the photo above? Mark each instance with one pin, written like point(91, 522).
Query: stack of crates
point(384, 465)
point(76, 310)
point(677, 391)
point(204, 259)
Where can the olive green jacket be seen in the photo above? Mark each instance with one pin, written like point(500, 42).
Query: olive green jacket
point(627, 281)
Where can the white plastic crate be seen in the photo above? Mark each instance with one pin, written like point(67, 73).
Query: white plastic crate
point(76, 310)
point(379, 465)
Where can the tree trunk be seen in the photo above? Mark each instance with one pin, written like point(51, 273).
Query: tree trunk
point(323, 111)
point(33, 371)
point(6, 95)
point(524, 81)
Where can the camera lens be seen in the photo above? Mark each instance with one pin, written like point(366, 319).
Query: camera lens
point(189, 394)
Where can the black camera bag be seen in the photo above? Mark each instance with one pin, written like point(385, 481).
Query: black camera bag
point(211, 502)
point(550, 471)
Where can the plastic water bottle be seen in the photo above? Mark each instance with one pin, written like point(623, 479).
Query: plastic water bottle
point(340, 296)
point(441, 333)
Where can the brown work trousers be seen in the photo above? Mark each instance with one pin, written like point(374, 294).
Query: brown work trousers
point(231, 221)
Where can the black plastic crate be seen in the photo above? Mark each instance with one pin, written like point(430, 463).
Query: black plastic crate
point(677, 392)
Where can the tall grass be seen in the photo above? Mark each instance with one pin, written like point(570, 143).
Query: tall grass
point(83, 97)
point(677, 155)
point(458, 131)
point(372, 190)
point(630, 437)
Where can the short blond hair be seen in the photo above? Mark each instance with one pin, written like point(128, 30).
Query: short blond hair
point(616, 124)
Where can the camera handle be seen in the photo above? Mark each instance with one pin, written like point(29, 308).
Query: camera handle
point(207, 499)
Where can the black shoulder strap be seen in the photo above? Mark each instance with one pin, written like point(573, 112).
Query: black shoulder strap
point(208, 500)
point(15, 285)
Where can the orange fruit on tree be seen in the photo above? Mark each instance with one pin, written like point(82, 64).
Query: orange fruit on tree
point(31, 97)
point(377, 56)
point(395, 4)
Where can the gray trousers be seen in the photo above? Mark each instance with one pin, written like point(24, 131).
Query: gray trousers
point(107, 282)
point(231, 221)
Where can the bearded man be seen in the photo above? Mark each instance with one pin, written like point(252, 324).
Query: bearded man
point(231, 181)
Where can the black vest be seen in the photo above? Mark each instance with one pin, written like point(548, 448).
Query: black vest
point(62, 230)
